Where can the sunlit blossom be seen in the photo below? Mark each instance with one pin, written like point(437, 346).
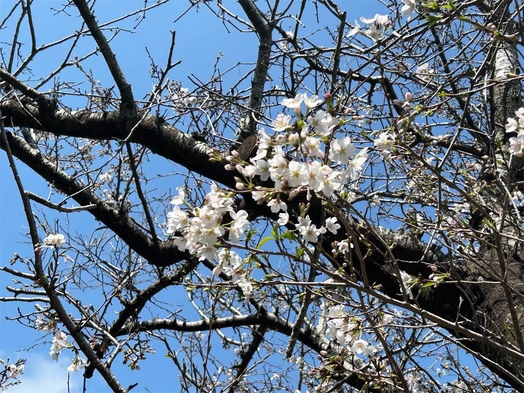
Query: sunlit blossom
point(15, 370)
point(207, 252)
point(355, 166)
point(341, 150)
point(323, 122)
point(283, 218)
point(512, 125)
point(516, 144)
point(332, 225)
point(238, 225)
point(311, 102)
point(376, 25)
point(262, 169)
point(360, 347)
point(408, 8)
point(258, 195)
point(277, 205)
point(293, 103)
point(54, 240)
point(105, 177)
point(331, 183)
point(281, 122)
point(179, 199)
point(311, 147)
point(176, 219)
point(406, 281)
point(59, 342)
point(308, 230)
point(76, 364)
point(315, 175)
point(277, 165)
point(245, 285)
point(384, 141)
point(296, 174)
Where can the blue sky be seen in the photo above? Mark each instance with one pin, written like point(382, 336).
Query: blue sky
point(201, 38)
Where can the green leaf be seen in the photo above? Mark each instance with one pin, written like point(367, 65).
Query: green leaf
point(433, 19)
point(288, 235)
point(264, 241)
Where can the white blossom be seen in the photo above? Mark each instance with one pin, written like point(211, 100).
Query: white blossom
point(308, 230)
point(293, 103)
point(406, 281)
point(516, 144)
point(296, 174)
point(332, 225)
point(385, 141)
point(408, 8)
point(176, 219)
point(315, 175)
point(262, 169)
point(331, 183)
point(360, 347)
point(311, 147)
point(277, 165)
point(245, 285)
point(105, 177)
point(355, 166)
point(281, 122)
point(179, 199)
point(512, 125)
point(312, 101)
point(240, 221)
point(277, 205)
point(283, 218)
point(59, 342)
point(76, 364)
point(377, 26)
point(341, 150)
point(323, 122)
point(54, 240)
point(15, 370)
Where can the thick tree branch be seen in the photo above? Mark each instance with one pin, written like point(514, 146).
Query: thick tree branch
point(263, 29)
point(152, 132)
point(116, 220)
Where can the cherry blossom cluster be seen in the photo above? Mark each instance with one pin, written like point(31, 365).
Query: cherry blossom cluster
point(58, 344)
point(198, 229)
point(290, 162)
point(9, 373)
point(516, 124)
point(347, 330)
point(302, 156)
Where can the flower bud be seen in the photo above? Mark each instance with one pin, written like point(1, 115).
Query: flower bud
point(217, 270)
point(280, 139)
point(409, 96)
